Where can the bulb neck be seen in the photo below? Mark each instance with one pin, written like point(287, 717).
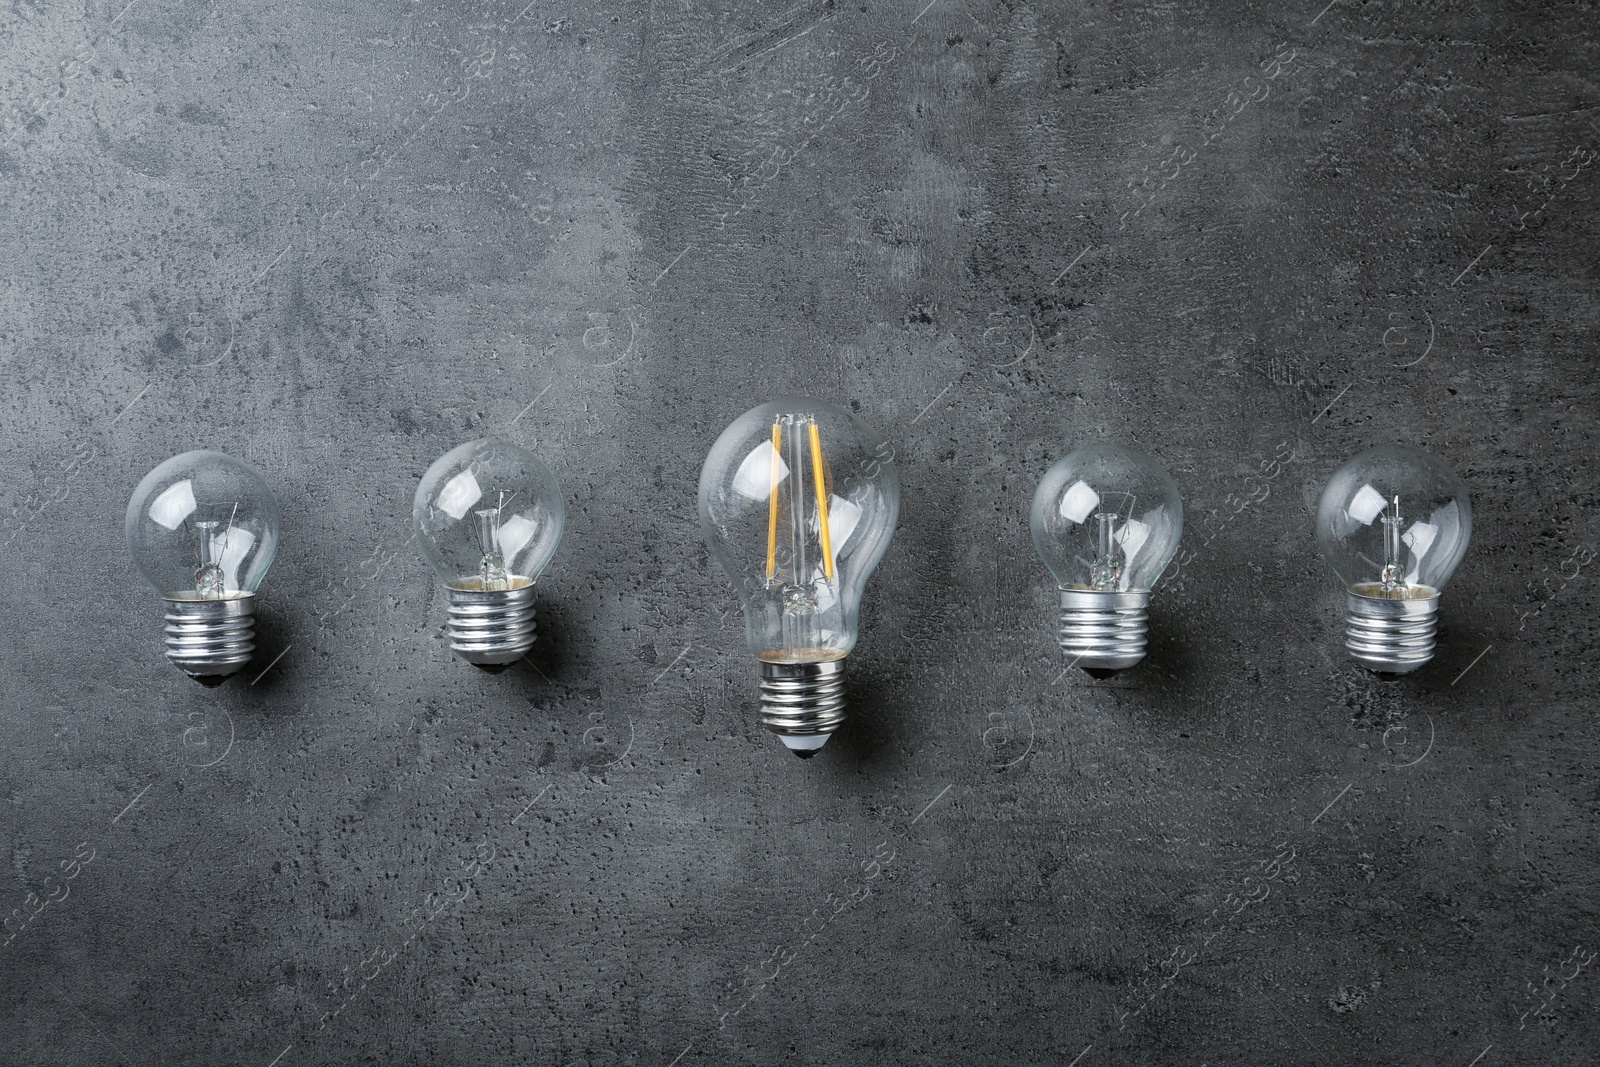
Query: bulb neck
point(491, 628)
point(210, 639)
point(1391, 636)
point(1104, 631)
point(802, 699)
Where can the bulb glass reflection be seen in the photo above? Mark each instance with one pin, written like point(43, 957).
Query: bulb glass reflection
point(798, 501)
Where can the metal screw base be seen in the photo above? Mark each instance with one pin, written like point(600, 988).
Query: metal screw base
point(493, 628)
point(803, 702)
point(1104, 631)
point(1391, 636)
point(210, 639)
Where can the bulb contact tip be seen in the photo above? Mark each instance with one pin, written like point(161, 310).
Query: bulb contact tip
point(210, 639)
point(1391, 636)
point(491, 628)
point(1104, 632)
point(803, 702)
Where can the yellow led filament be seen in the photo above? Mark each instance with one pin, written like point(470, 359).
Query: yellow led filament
point(822, 501)
point(772, 504)
point(819, 481)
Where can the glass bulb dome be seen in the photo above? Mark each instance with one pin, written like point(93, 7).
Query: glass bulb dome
point(488, 516)
point(1394, 523)
point(1107, 518)
point(203, 526)
point(798, 501)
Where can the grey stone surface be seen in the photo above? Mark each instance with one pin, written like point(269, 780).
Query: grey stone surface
point(337, 240)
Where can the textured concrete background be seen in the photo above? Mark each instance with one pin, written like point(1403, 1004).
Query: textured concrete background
point(338, 239)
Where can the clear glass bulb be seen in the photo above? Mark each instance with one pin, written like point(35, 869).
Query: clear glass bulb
point(202, 528)
point(1394, 523)
point(798, 501)
point(1106, 520)
point(488, 516)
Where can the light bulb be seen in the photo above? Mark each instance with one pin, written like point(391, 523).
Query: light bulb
point(1106, 520)
point(489, 516)
point(1393, 524)
point(798, 500)
point(203, 528)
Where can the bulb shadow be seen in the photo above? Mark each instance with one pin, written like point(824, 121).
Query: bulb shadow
point(268, 672)
point(549, 664)
point(874, 720)
point(1171, 672)
point(1170, 662)
point(1461, 655)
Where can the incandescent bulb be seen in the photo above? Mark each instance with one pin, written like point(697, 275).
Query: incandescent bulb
point(1393, 524)
point(489, 516)
point(1106, 520)
point(203, 528)
point(798, 500)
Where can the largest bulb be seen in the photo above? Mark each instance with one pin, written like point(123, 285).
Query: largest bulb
point(798, 500)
